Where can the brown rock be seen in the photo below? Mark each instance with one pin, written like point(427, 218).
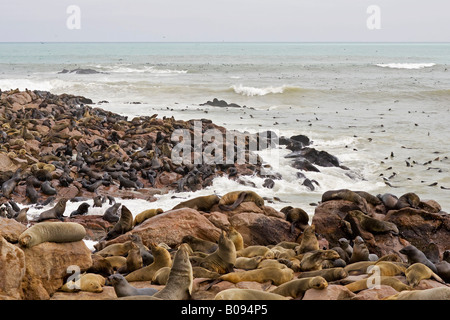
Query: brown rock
point(96, 227)
point(46, 267)
point(12, 266)
point(377, 293)
point(332, 292)
point(108, 293)
point(10, 229)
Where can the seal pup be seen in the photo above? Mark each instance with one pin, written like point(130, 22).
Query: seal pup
point(360, 251)
point(123, 289)
point(81, 210)
point(232, 200)
point(415, 255)
point(48, 189)
point(122, 226)
point(52, 232)
point(298, 287)
point(56, 212)
point(180, 282)
point(89, 282)
point(203, 203)
point(22, 216)
point(111, 214)
point(309, 240)
point(162, 259)
point(9, 185)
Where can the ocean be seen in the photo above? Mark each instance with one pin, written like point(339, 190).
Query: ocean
point(381, 108)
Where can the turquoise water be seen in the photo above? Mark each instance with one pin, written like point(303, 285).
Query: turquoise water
point(359, 102)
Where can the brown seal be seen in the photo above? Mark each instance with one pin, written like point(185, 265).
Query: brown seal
point(345, 194)
point(389, 200)
point(373, 225)
point(52, 232)
point(409, 199)
point(122, 226)
point(297, 217)
point(89, 282)
point(297, 287)
point(147, 214)
point(198, 244)
point(162, 259)
point(236, 237)
point(232, 200)
point(440, 293)
point(161, 276)
point(256, 250)
point(417, 272)
point(360, 251)
point(133, 261)
point(116, 249)
point(276, 275)
point(56, 212)
point(331, 274)
point(388, 268)
point(203, 203)
point(415, 255)
point(313, 260)
point(247, 294)
point(309, 240)
point(364, 284)
point(180, 282)
point(248, 263)
point(222, 260)
point(123, 289)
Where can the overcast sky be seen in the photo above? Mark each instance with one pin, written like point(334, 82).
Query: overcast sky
point(225, 20)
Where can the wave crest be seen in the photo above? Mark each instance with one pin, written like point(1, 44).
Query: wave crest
point(406, 65)
point(253, 91)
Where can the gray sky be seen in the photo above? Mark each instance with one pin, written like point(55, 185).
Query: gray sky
point(225, 20)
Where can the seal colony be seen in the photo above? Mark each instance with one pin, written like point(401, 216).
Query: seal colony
point(230, 246)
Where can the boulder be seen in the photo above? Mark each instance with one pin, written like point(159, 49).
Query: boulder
point(377, 293)
point(47, 267)
point(10, 229)
point(332, 292)
point(12, 266)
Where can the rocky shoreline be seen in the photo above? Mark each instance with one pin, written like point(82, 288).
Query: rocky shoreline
point(80, 152)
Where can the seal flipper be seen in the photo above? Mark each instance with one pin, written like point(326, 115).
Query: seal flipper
point(235, 204)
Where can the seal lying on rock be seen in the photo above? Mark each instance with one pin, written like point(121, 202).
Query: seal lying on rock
point(52, 232)
point(124, 289)
point(56, 212)
point(232, 200)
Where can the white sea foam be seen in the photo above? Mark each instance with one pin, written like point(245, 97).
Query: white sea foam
point(143, 69)
point(253, 91)
point(406, 65)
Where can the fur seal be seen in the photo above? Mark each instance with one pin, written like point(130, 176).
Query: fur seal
point(345, 194)
point(276, 275)
point(201, 245)
point(111, 214)
point(236, 237)
point(203, 203)
point(418, 271)
point(52, 232)
point(309, 240)
point(247, 263)
point(9, 185)
point(388, 268)
point(232, 200)
point(360, 251)
point(409, 199)
point(123, 289)
point(134, 260)
point(144, 215)
point(81, 210)
point(100, 265)
point(180, 282)
point(30, 191)
point(116, 249)
point(373, 225)
point(297, 287)
point(122, 226)
point(440, 293)
point(56, 212)
point(330, 275)
point(389, 200)
point(247, 294)
point(48, 189)
point(22, 215)
point(384, 280)
point(223, 259)
point(90, 282)
point(415, 255)
point(161, 276)
point(297, 217)
point(313, 260)
point(162, 259)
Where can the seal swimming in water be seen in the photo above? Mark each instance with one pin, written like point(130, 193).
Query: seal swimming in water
point(56, 212)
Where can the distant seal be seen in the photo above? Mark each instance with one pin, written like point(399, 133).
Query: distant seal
point(409, 199)
point(415, 255)
point(89, 282)
point(330, 275)
point(417, 272)
point(373, 225)
point(276, 275)
point(9, 185)
point(98, 202)
point(30, 191)
point(440, 293)
point(111, 214)
point(223, 259)
point(313, 260)
point(162, 259)
point(81, 210)
point(180, 282)
point(52, 232)
point(22, 215)
point(309, 240)
point(127, 183)
point(389, 200)
point(247, 294)
point(48, 189)
point(123, 289)
point(371, 199)
point(345, 194)
point(203, 203)
point(232, 200)
point(122, 226)
point(56, 212)
point(146, 214)
point(297, 287)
